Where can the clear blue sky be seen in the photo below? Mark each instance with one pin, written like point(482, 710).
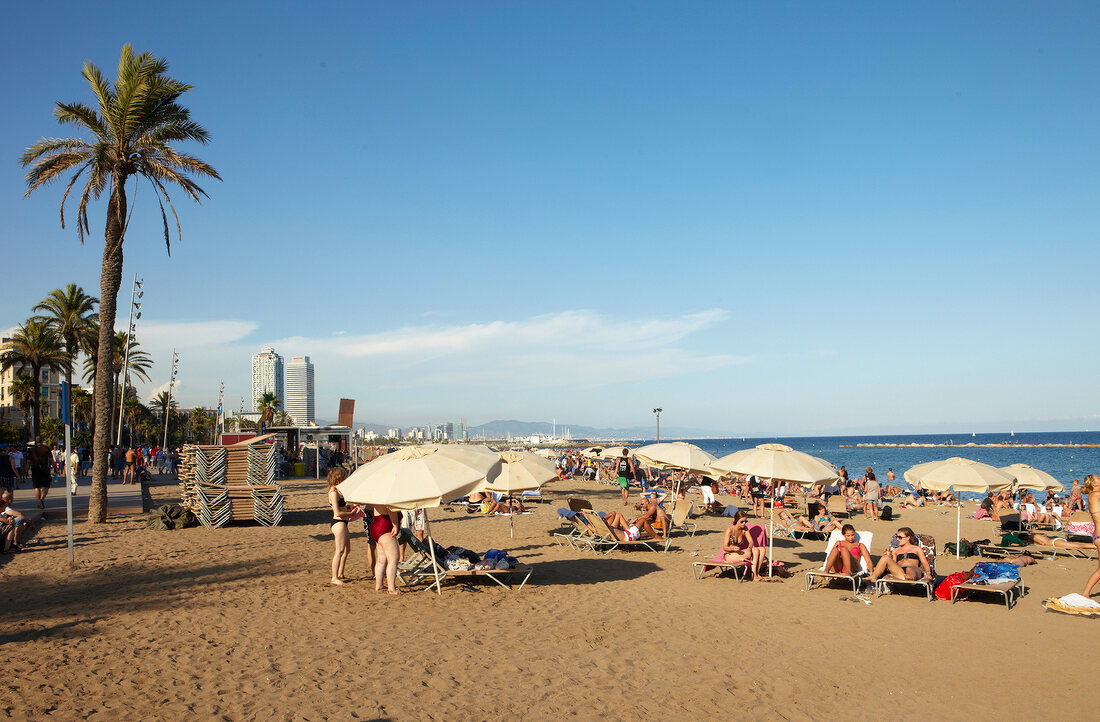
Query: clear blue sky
point(788, 218)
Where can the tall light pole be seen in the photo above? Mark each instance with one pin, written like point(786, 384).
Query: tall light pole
point(168, 406)
point(221, 413)
point(136, 293)
point(657, 413)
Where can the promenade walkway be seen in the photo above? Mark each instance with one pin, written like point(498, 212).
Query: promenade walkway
point(122, 499)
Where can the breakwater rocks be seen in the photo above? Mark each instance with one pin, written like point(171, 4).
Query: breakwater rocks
point(972, 445)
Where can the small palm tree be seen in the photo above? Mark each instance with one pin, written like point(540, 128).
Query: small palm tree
point(82, 406)
point(35, 344)
point(133, 132)
point(23, 394)
point(69, 313)
point(267, 405)
point(163, 402)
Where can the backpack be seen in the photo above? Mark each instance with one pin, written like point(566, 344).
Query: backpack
point(965, 549)
point(886, 513)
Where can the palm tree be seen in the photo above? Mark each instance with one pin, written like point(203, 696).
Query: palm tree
point(267, 405)
point(133, 132)
point(23, 394)
point(281, 418)
point(35, 344)
point(139, 365)
point(198, 423)
point(162, 403)
point(82, 406)
point(69, 314)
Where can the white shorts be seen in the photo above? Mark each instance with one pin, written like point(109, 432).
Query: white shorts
point(632, 534)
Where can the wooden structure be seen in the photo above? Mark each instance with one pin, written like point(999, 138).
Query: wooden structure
point(221, 484)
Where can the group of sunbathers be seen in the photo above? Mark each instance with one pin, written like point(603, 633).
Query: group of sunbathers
point(902, 559)
point(653, 521)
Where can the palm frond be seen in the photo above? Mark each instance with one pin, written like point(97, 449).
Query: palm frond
point(80, 114)
point(100, 86)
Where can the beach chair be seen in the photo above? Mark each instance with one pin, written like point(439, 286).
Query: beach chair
point(611, 542)
point(681, 520)
point(533, 497)
point(928, 545)
point(577, 534)
point(837, 508)
point(740, 569)
point(1008, 590)
point(1010, 523)
point(439, 572)
point(865, 537)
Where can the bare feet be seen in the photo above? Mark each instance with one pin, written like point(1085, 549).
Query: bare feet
point(395, 592)
point(337, 581)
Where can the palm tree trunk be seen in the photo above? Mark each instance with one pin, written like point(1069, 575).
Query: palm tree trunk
point(109, 282)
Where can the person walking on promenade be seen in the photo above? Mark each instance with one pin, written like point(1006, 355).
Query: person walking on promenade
point(41, 474)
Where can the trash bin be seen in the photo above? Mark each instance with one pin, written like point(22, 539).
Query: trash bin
point(299, 469)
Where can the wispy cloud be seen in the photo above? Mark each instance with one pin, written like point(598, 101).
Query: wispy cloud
point(193, 334)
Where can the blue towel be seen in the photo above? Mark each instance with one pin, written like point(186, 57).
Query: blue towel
point(994, 572)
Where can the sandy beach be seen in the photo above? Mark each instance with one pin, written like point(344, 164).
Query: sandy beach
point(240, 623)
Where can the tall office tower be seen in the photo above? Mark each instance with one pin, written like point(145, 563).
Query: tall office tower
point(299, 390)
point(267, 376)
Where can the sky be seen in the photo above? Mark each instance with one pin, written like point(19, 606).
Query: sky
point(788, 218)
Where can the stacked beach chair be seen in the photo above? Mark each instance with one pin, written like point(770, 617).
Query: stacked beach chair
point(232, 483)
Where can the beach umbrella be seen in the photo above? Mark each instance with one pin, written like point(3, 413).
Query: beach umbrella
point(676, 455)
point(520, 471)
point(1028, 477)
point(546, 453)
point(961, 475)
point(776, 462)
point(614, 452)
point(420, 476)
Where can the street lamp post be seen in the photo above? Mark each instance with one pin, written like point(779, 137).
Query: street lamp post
point(136, 293)
point(657, 413)
point(168, 406)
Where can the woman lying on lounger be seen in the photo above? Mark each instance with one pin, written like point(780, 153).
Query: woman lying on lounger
point(907, 561)
point(846, 553)
point(789, 525)
point(1053, 541)
point(738, 546)
point(820, 520)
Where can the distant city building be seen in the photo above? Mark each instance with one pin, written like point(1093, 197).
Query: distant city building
point(299, 391)
point(267, 376)
point(393, 433)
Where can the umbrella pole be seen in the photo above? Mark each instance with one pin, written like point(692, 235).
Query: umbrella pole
point(511, 520)
point(958, 530)
point(435, 567)
point(771, 535)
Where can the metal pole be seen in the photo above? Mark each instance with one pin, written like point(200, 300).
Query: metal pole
point(69, 478)
point(168, 406)
point(126, 360)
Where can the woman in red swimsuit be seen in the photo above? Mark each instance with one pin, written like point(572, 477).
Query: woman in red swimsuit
point(383, 531)
point(846, 553)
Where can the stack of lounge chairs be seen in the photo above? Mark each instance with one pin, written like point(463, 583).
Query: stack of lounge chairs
point(231, 483)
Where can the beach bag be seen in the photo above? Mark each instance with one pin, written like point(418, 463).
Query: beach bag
point(1011, 540)
point(887, 513)
point(965, 549)
point(943, 591)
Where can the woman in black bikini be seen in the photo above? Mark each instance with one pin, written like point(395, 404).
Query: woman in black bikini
point(907, 561)
point(341, 515)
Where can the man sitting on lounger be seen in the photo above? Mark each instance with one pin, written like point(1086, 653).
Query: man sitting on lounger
point(906, 562)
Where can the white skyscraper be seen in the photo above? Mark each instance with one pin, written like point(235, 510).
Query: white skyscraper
point(299, 390)
point(267, 376)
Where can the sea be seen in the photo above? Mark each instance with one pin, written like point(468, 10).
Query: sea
point(1064, 464)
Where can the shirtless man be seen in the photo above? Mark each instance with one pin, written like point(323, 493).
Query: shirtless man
point(131, 464)
point(1092, 490)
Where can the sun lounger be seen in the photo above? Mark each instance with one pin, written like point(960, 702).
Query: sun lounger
point(578, 534)
point(435, 571)
point(739, 569)
point(1008, 590)
point(610, 541)
point(865, 537)
point(928, 545)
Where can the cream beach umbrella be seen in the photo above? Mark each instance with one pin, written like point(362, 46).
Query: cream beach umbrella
point(676, 455)
point(961, 475)
point(420, 476)
point(546, 453)
point(776, 462)
point(1028, 477)
point(615, 452)
point(520, 471)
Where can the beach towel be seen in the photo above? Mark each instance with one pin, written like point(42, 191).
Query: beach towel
point(1073, 604)
point(994, 573)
